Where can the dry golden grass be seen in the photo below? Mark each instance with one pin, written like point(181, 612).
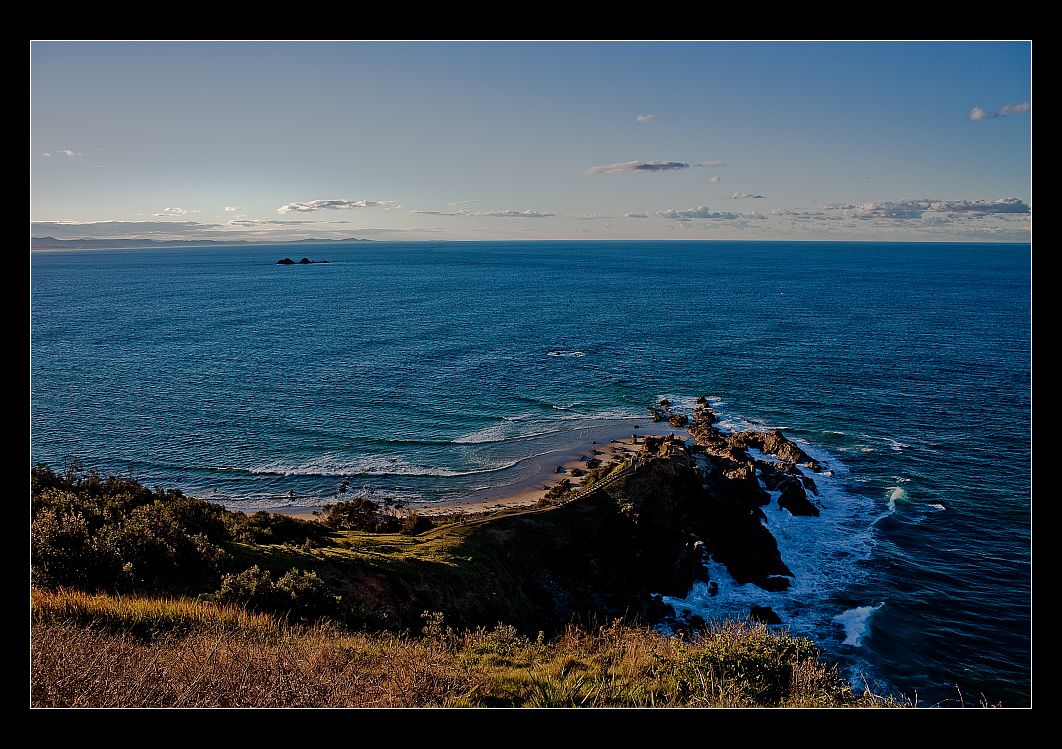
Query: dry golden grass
point(99, 651)
point(142, 614)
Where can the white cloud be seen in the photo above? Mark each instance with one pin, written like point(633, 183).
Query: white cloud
point(636, 215)
point(62, 152)
point(914, 209)
point(804, 215)
point(644, 117)
point(172, 212)
point(699, 212)
point(1000, 205)
point(715, 179)
point(491, 214)
point(977, 113)
point(251, 222)
point(638, 166)
point(712, 163)
point(745, 195)
point(461, 202)
point(512, 214)
point(231, 209)
point(320, 205)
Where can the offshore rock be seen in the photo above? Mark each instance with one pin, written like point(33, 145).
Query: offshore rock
point(764, 614)
point(776, 444)
point(795, 499)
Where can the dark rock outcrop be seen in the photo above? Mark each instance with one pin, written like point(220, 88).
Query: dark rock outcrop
point(773, 443)
point(764, 614)
point(678, 420)
point(795, 499)
point(720, 506)
point(304, 261)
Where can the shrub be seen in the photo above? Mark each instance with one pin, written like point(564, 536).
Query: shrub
point(62, 552)
point(299, 594)
point(357, 514)
point(115, 533)
point(412, 523)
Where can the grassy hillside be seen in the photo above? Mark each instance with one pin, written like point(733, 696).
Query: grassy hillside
point(107, 651)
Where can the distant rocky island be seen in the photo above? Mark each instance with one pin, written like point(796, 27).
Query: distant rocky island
point(304, 261)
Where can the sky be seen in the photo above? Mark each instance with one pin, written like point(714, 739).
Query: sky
point(404, 141)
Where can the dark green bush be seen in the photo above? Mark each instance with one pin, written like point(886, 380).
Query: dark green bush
point(298, 594)
point(413, 523)
point(114, 533)
point(358, 514)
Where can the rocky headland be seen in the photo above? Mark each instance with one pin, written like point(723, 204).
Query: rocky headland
point(631, 531)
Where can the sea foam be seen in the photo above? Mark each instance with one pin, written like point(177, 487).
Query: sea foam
point(825, 553)
point(855, 622)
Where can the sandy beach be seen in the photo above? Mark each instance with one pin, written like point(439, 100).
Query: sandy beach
point(572, 465)
point(540, 473)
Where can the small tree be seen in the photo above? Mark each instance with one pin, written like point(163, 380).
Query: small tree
point(356, 514)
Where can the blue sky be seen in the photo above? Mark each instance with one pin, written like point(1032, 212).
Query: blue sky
point(409, 141)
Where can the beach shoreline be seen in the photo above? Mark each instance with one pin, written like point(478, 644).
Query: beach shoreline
point(540, 473)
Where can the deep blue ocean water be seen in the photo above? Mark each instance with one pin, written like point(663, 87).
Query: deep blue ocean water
point(428, 371)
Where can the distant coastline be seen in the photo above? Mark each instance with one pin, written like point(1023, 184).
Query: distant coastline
point(51, 243)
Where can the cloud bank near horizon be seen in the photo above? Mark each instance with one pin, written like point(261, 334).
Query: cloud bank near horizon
point(704, 212)
point(916, 209)
point(638, 166)
point(330, 205)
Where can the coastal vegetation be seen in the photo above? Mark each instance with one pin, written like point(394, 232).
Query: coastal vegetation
point(543, 606)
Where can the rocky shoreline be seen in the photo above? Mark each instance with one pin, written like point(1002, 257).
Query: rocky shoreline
point(690, 501)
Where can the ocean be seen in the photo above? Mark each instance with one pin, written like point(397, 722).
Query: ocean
point(432, 372)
